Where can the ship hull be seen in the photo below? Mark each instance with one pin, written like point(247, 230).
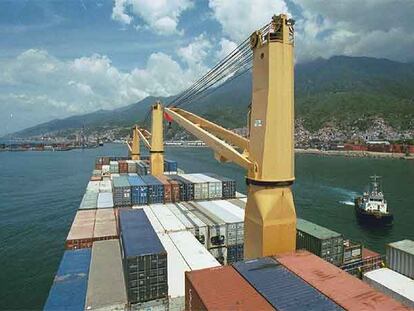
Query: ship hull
point(372, 218)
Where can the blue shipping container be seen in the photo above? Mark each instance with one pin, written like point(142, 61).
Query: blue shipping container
point(139, 190)
point(170, 166)
point(155, 189)
point(281, 288)
point(68, 291)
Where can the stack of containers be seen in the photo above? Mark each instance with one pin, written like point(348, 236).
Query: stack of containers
point(184, 254)
point(105, 200)
point(89, 200)
point(132, 166)
point(155, 189)
point(170, 167)
point(144, 258)
point(167, 188)
point(215, 189)
point(200, 228)
point(123, 166)
point(228, 185)
point(122, 191)
point(105, 225)
point(234, 222)
point(139, 190)
point(69, 287)
point(113, 167)
point(141, 168)
point(216, 240)
point(343, 288)
point(81, 233)
point(105, 186)
point(319, 240)
point(400, 257)
point(200, 186)
point(167, 219)
point(186, 188)
point(282, 288)
point(106, 284)
point(352, 252)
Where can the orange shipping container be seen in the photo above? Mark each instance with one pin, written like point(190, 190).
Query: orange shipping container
point(346, 290)
point(123, 166)
point(221, 288)
point(167, 188)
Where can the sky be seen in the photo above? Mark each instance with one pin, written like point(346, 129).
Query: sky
point(67, 57)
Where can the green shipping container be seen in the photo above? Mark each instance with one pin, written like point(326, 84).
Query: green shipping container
point(320, 241)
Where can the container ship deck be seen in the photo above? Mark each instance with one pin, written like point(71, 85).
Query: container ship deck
point(175, 242)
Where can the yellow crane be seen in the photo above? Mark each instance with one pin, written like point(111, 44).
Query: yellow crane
point(268, 153)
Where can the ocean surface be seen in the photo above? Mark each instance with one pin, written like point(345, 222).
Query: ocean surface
point(41, 191)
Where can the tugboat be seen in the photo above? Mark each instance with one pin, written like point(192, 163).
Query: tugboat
point(372, 207)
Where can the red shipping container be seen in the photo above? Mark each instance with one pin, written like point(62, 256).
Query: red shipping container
point(167, 188)
point(221, 288)
point(410, 149)
point(175, 190)
point(123, 166)
point(341, 287)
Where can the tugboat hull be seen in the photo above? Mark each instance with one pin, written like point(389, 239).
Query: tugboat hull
point(373, 218)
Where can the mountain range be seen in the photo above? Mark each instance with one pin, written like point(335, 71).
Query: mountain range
point(346, 91)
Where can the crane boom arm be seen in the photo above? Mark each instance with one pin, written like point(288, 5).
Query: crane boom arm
point(129, 146)
point(221, 147)
point(146, 142)
point(224, 134)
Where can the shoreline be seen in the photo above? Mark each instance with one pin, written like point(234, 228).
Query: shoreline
point(356, 154)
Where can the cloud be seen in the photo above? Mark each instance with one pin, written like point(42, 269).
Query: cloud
point(376, 28)
point(36, 86)
point(240, 20)
point(226, 47)
point(161, 16)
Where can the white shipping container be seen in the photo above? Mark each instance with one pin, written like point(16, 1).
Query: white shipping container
point(176, 267)
point(168, 220)
point(200, 228)
point(105, 200)
point(113, 175)
point(238, 213)
point(391, 283)
point(215, 186)
point(200, 186)
point(132, 166)
point(113, 167)
point(189, 226)
point(400, 257)
point(89, 200)
point(105, 169)
point(152, 219)
point(93, 186)
point(196, 256)
point(105, 186)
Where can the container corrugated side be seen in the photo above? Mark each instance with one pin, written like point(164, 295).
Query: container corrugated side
point(400, 257)
point(139, 190)
point(153, 219)
point(393, 284)
point(176, 266)
point(343, 288)
point(189, 226)
point(215, 186)
point(282, 288)
point(121, 191)
point(167, 188)
point(235, 293)
point(113, 167)
point(168, 220)
point(228, 185)
point(105, 200)
point(68, 290)
point(200, 228)
point(155, 189)
point(106, 284)
point(196, 256)
point(200, 186)
point(144, 257)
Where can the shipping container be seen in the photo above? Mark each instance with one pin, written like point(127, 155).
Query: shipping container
point(228, 185)
point(68, 291)
point(139, 190)
point(167, 188)
point(352, 252)
point(189, 226)
point(170, 166)
point(144, 257)
point(105, 186)
point(186, 188)
point(320, 241)
point(113, 167)
point(106, 169)
point(239, 202)
point(153, 219)
point(282, 288)
point(123, 166)
point(168, 220)
point(346, 290)
point(105, 200)
point(400, 257)
point(200, 228)
point(215, 188)
point(196, 256)
point(122, 191)
point(89, 200)
point(200, 186)
point(81, 232)
point(176, 268)
point(105, 230)
point(132, 166)
point(221, 288)
point(106, 284)
point(155, 189)
point(175, 190)
point(141, 168)
point(393, 284)
point(93, 186)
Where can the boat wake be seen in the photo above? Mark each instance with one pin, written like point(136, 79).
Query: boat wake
point(350, 203)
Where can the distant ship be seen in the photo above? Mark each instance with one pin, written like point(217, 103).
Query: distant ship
point(372, 207)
